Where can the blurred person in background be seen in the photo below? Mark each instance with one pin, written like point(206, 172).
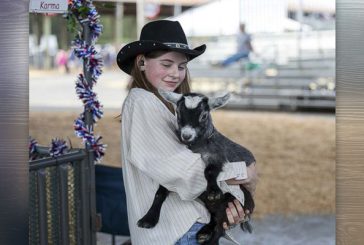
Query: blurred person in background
point(109, 55)
point(244, 48)
point(62, 60)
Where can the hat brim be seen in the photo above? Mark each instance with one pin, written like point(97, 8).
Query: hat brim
point(126, 55)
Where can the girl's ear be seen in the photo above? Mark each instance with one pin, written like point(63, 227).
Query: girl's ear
point(220, 101)
point(141, 62)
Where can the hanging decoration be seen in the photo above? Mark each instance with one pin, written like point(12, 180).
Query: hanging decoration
point(58, 147)
point(82, 11)
point(32, 147)
point(86, 133)
point(85, 11)
point(89, 98)
point(93, 60)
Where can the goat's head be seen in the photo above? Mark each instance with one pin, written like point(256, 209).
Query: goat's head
point(193, 113)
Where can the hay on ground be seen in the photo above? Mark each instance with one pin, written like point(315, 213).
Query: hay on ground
point(295, 153)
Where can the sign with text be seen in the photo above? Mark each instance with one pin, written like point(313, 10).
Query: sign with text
point(48, 6)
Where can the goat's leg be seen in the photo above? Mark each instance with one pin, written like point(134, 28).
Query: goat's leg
point(214, 193)
point(218, 217)
point(248, 205)
point(249, 201)
point(151, 218)
point(206, 233)
point(216, 235)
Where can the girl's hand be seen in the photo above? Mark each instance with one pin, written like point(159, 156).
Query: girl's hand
point(249, 183)
point(235, 214)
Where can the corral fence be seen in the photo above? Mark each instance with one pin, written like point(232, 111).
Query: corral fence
point(281, 77)
point(62, 201)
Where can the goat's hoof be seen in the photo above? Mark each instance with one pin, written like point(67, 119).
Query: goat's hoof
point(202, 238)
point(147, 222)
point(204, 235)
point(249, 205)
point(246, 226)
point(215, 195)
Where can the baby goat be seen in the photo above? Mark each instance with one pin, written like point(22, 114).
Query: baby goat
point(195, 129)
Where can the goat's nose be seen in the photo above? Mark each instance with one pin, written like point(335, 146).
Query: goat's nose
point(188, 133)
point(186, 137)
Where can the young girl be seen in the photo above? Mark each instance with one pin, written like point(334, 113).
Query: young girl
point(152, 155)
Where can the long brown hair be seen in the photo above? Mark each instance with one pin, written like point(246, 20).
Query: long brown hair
point(139, 80)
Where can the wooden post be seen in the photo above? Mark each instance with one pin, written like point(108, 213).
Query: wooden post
point(47, 30)
point(119, 12)
point(140, 16)
point(90, 175)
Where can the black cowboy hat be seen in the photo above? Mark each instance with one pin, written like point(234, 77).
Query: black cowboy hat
point(157, 35)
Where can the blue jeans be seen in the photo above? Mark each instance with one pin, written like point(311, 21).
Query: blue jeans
point(234, 58)
point(190, 237)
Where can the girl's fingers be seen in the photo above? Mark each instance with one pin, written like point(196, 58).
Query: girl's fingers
point(234, 213)
point(225, 226)
point(229, 216)
point(239, 209)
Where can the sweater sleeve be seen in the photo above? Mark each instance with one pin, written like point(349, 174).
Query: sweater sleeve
point(156, 151)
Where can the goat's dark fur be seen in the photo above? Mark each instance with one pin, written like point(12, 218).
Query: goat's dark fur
point(215, 150)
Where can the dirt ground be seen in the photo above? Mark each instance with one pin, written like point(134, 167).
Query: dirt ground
point(295, 153)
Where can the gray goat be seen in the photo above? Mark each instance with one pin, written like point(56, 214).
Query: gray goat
point(196, 130)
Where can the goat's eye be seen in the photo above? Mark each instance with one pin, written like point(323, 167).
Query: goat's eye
point(203, 116)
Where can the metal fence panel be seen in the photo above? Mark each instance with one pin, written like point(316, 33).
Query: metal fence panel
point(60, 195)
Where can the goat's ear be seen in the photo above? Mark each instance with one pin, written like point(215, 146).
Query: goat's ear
point(170, 96)
point(220, 101)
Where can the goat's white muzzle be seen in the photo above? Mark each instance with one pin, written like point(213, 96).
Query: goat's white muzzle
point(188, 134)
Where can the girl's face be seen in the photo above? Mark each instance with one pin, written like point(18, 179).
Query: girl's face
point(166, 71)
